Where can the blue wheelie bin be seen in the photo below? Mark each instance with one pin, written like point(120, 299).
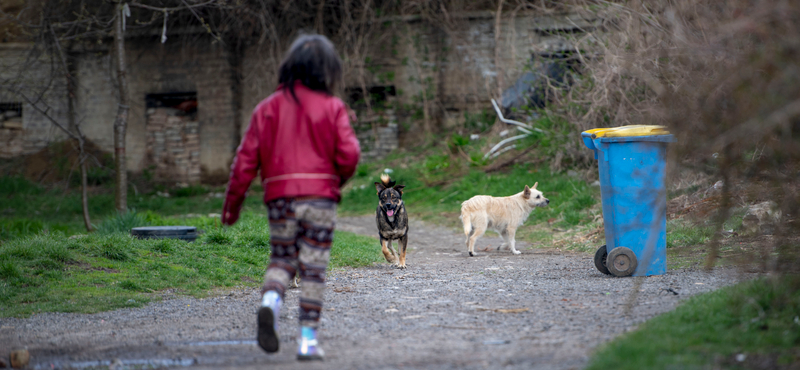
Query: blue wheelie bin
point(632, 166)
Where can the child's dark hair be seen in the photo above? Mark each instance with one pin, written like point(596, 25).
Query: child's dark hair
point(313, 61)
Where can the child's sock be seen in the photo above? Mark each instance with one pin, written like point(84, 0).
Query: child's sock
point(272, 300)
point(309, 348)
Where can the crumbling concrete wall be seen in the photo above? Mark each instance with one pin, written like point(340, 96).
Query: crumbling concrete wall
point(97, 97)
point(448, 69)
point(459, 67)
point(28, 72)
point(184, 66)
point(199, 66)
point(259, 78)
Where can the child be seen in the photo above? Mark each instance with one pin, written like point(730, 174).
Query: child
point(301, 140)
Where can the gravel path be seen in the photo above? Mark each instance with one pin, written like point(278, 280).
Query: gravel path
point(543, 309)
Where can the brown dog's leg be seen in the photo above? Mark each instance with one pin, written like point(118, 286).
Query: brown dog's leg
point(386, 252)
point(402, 248)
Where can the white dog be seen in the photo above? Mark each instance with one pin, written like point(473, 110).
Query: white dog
point(503, 214)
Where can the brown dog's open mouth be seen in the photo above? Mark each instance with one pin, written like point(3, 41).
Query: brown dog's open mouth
point(390, 212)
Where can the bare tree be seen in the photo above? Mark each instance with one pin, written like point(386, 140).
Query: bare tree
point(40, 96)
point(75, 21)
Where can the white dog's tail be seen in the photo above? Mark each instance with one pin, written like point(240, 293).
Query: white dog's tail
point(467, 221)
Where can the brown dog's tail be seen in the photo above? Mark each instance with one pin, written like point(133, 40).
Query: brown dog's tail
point(387, 182)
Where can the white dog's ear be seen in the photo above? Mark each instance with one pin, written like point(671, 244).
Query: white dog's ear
point(527, 192)
point(535, 185)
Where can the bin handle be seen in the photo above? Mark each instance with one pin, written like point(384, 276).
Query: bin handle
point(598, 147)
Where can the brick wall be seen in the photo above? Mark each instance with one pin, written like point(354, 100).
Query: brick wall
point(173, 145)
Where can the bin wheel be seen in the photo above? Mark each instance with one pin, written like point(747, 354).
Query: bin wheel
point(600, 258)
point(621, 262)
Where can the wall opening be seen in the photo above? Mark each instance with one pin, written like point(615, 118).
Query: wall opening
point(379, 96)
point(12, 143)
point(534, 89)
point(173, 137)
point(11, 116)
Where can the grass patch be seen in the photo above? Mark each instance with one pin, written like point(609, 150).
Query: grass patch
point(684, 233)
point(758, 319)
point(27, 208)
point(50, 272)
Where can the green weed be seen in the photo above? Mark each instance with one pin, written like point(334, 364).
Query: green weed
point(756, 318)
point(683, 233)
point(15, 185)
point(122, 223)
point(16, 227)
point(480, 121)
point(189, 191)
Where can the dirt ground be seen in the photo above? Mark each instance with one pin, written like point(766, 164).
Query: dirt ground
point(543, 309)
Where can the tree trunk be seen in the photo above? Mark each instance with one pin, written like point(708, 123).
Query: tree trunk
point(84, 192)
point(235, 57)
point(498, 63)
point(73, 126)
point(120, 125)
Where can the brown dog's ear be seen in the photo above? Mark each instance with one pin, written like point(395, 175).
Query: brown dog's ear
point(534, 185)
point(399, 188)
point(379, 187)
point(527, 192)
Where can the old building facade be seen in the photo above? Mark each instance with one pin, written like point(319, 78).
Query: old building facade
point(191, 98)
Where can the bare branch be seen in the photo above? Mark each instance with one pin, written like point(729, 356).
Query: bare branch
point(173, 9)
point(43, 112)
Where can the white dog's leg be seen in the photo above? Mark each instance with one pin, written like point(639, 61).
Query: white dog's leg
point(511, 242)
point(504, 245)
point(467, 227)
point(479, 227)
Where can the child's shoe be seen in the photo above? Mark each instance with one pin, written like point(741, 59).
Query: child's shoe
point(309, 349)
point(268, 321)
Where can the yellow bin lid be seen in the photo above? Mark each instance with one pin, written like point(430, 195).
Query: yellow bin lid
point(632, 130)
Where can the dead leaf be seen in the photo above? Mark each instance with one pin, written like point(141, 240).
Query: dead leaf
point(504, 310)
point(512, 310)
point(459, 327)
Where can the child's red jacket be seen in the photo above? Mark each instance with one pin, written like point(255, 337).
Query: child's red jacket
point(305, 149)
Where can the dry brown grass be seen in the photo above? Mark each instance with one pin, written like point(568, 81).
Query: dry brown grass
point(725, 78)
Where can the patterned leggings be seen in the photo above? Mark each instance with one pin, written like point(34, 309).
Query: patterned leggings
point(301, 232)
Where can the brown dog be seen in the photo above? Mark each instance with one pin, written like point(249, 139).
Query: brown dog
point(392, 220)
point(501, 214)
